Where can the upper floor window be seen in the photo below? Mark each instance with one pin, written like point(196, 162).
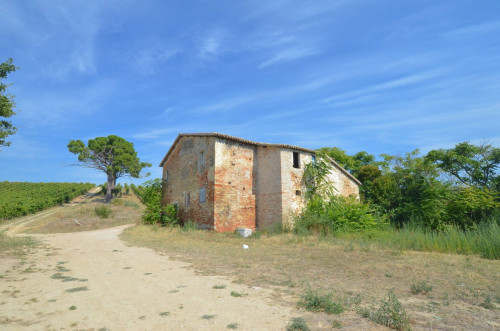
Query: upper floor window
point(201, 161)
point(296, 160)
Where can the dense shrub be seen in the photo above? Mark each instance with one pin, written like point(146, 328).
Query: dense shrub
point(333, 213)
point(155, 212)
point(471, 206)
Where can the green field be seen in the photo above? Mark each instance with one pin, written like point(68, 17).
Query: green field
point(23, 198)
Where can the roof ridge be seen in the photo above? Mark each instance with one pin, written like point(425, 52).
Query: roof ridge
point(233, 138)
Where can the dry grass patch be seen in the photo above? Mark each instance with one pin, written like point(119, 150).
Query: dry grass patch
point(15, 246)
point(356, 277)
point(82, 216)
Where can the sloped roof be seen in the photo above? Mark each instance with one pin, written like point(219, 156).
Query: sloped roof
point(225, 136)
point(245, 141)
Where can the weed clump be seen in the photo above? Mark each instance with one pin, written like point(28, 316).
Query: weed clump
point(103, 211)
point(219, 286)
point(237, 294)
point(420, 288)
point(487, 303)
point(316, 302)
point(298, 324)
point(390, 313)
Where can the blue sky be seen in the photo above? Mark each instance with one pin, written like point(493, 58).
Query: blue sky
point(380, 76)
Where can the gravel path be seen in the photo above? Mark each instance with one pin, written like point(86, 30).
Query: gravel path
point(92, 280)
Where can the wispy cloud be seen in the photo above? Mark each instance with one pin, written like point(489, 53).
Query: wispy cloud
point(212, 44)
point(474, 29)
point(288, 55)
point(153, 134)
point(388, 85)
point(147, 60)
point(63, 108)
point(229, 103)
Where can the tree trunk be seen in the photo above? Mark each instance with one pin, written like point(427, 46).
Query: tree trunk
point(109, 188)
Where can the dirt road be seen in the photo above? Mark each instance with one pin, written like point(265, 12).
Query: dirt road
point(92, 280)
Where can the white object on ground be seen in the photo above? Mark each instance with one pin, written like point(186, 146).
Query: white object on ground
point(244, 232)
point(245, 246)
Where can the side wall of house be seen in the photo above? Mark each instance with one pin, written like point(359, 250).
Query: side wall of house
point(293, 188)
point(234, 192)
point(268, 186)
point(188, 170)
point(343, 184)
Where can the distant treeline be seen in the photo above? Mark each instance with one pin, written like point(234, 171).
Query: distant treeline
point(23, 198)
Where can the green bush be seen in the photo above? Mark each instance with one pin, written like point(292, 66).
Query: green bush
point(155, 211)
point(334, 213)
point(103, 211)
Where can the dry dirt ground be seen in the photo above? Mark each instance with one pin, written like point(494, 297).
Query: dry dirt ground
point(91, 280)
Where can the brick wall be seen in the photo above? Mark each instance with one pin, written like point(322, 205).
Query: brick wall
point(188, 172)
point(234, 192)
point(344, 185)
point(293, 188)
point(268, 186)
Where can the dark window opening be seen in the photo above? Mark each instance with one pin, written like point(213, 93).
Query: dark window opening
point(298, 193)
point(187, 199)
point(296, 160)
point(314, 159)
point(201, 161)
point(203, 194)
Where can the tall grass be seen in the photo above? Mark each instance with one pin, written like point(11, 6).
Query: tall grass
point(483, 241)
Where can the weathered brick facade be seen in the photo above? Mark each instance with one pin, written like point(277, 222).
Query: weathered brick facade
point(223, 182)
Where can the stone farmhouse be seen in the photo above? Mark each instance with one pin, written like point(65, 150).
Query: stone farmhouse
point(223, 182)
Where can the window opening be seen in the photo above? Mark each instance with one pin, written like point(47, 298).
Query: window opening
point(203, 194)
point(296, 160)
point(298, 193)
point(187, 199)
point(201, 161)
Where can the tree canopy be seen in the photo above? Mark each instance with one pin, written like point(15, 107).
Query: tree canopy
point(352, 163)
point(470, 164)
point(7, 103)
point(112, 155)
